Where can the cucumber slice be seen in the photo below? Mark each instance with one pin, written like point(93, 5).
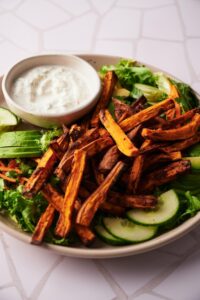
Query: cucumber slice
point(7, 119)
point(166, 209)
point(107, 237)
point(150, 92)
point(128, 231)
point(195, 162)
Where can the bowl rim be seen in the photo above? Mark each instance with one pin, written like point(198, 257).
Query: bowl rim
point(93, 97)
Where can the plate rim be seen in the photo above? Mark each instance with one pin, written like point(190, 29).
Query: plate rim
point(114, 251)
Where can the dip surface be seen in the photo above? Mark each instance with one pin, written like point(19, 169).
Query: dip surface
point(50, 89)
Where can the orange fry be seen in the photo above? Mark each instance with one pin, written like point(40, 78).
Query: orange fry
point(65, 220)
point(43, 169)
point(181, 133)
point(91, 205)
point(92, 149)
point(124, 144)
point(85, 234)
point(43, 225)
point(9, 179)
point(135, 174)
point(146, 114)
point(109, 82)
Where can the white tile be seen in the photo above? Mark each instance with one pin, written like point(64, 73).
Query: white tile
point(121, 48)
point(143, 3)
point(4, 273)
point(190, 11)
point(193, 46)
point(48, 14)
point(76, 279)
point(10, 294)
point(102, 6)
point(9, 4)
point(31, 262)
point(132, 273)
point(18, 32)
point(156, 24)
point(165, 55)
point(12, 54)
point(146, 297)
point(181, 246)
point(74, 7)
point(77, 35)
point(183, 283)
point(120, 23)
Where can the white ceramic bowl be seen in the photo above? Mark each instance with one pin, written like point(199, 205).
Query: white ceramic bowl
point(44, 119)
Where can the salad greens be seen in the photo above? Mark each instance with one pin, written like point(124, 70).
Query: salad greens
point(155, 86)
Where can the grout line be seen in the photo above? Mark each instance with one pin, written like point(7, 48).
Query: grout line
point(191, 69)
point(40, 285)
point(111, 281)
point(6, 10)
point(153, 283)
point(145, 8)
point(6, 285)
point(13, 272)
point(159, 296)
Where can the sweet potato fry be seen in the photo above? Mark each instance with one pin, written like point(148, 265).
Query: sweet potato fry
point(173, 91)
point(109, 82)
point(132, 201)
point(181, 120)
point(121, 110)
point(123, 142)
point(43, 225)
point(99, 177)
point(180, 133)
point(9, 179)
point(91, 205)
point(7, 169)
point(154, 159)
point(92, 149)
point(135, 174)
point(106, 206)
point(85, 234)
point(109, 159)
point(150, 146)
point(56, 149)
point(164, 175)
point(44, 168)
point(146, 114)
point(139, 104)
point(75, 132)
point(112, 156)
point(181, 145)
point(111, 208)
point(65, 220)
point(53, 197)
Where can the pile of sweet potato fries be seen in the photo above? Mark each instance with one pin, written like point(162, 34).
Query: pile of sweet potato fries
point(112, 164)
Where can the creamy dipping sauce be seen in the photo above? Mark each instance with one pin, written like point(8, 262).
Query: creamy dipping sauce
point(50, 89)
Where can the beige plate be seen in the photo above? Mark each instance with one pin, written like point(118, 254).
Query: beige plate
point(100, 250)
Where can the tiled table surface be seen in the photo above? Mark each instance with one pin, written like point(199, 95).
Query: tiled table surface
point(165, 33)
